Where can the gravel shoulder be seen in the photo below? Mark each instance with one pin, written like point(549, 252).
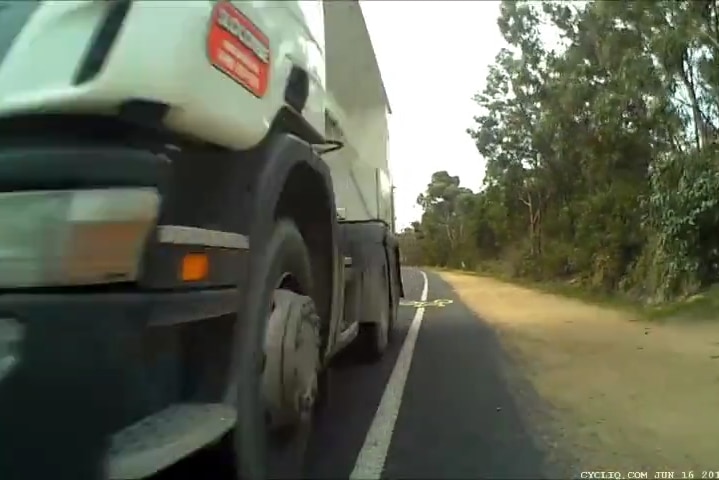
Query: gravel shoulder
point(624, 395)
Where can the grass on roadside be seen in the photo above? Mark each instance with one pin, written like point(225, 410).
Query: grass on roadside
point(702, 306)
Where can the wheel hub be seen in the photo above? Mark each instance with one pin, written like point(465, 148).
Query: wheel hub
point(292, 350)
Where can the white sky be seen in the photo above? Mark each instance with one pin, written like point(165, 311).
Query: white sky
point(434, 55)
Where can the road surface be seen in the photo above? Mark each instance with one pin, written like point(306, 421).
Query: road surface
point(509, 382)
point(438, 405)
point(441, 409)
point(492, 380)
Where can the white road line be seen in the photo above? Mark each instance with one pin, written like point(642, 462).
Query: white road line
point(371, 458)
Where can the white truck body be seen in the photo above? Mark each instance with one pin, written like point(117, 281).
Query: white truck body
point(167, 42)
point(363, 185)
point(208, 209)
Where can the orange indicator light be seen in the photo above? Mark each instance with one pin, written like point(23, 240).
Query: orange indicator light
point(195, 267)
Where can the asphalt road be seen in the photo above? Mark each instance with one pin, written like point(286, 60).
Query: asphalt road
point(444, 412)
point(438, 405)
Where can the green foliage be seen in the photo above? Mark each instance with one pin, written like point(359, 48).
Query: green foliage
point(446, 221)
point(602, 153)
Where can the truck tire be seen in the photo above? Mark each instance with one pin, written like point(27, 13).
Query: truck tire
point(261, 450)
point(393, 274)
point(394, 313)
point(374, 336)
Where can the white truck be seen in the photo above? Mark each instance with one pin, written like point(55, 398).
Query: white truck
point(195, 218)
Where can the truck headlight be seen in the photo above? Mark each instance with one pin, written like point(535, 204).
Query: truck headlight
point(74, 237)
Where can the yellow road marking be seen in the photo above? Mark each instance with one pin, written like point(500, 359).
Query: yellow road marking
point(440, 302)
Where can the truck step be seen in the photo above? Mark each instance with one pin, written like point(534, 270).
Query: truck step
point(158, 441)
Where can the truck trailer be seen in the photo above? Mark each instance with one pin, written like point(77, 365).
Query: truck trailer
point(196, 218)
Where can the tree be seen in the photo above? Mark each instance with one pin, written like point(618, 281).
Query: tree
point(447, 208)
point(602, 154)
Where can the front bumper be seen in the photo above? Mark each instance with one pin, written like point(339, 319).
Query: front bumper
point(89, 364)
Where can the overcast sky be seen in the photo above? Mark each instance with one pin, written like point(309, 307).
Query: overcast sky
point(434, 55)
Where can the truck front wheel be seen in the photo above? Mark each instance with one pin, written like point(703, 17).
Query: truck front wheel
point(278, 360)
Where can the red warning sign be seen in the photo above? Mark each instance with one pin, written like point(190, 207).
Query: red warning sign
point(236, 47)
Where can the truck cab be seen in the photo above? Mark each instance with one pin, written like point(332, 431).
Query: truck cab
point(195, 220)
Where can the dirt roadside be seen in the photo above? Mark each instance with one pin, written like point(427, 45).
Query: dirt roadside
point(624, 395)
